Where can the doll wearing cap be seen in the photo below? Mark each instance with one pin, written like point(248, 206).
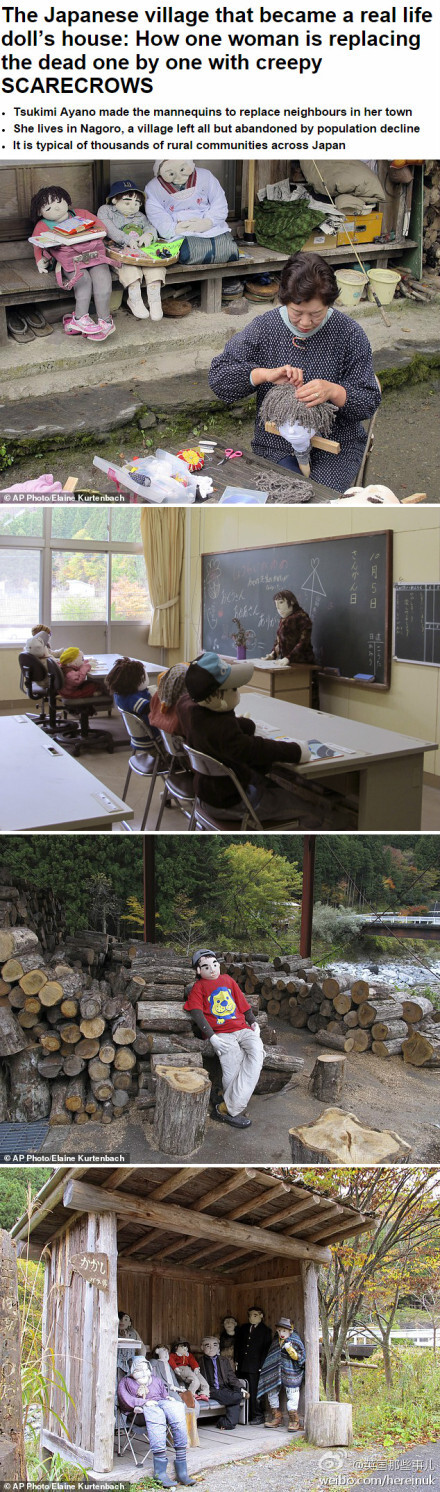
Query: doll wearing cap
point(283, 1368)
point(222, 1014)
point(75, 669)
point(209, 724)
point(163, 707)
point(128, 226)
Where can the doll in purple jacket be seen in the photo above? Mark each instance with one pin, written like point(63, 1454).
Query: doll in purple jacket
point(148, 1395)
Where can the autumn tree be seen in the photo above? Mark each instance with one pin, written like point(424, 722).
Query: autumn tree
point(404, 1207)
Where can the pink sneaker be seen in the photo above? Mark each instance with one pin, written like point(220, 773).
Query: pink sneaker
point(101, 330)
point(78, 326)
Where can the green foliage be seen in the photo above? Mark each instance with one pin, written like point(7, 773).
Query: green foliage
point(407, 1414)
point(334, 925)
point(5, 459)
point(255, 891)
point(14, 1185)
point(71, 868)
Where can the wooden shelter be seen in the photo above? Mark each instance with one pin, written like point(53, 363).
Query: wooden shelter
point(179, 1247)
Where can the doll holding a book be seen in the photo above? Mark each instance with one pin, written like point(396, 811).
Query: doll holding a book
point(72, 239)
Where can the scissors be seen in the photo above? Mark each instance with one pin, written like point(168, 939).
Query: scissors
point(229, 456)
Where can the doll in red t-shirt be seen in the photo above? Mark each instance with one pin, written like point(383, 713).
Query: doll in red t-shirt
point(220, 1010)
point(187, 1369)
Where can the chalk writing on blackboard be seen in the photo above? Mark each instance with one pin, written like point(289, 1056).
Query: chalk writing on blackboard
point(417, 623)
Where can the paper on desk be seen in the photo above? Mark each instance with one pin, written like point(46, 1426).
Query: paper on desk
point(319, 750)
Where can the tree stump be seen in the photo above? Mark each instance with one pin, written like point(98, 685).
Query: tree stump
point(181, 1111)
point(340, 1139)
point(30, 1094)
point(329, 1423)
point(327, 1079)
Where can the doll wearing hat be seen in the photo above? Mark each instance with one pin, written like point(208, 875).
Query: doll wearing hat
point(222, 1014)
point(147, 1394)
point(163, 707)
point(283, 1368)
point(128, 226)
point(75, 668)
point(209, 724)
point(185, 201)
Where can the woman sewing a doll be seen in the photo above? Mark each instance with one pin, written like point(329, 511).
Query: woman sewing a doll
point(318, 356)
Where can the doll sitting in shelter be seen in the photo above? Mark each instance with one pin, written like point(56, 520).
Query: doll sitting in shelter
point(222, 1014)
point(146, 1393)
point(128, 227)
point(187, 202)
point(293, 642)
point(81, 266)
point(76, 669)
point(187, 1369)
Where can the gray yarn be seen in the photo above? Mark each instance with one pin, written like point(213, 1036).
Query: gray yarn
point(281, 406)
point(284, 489)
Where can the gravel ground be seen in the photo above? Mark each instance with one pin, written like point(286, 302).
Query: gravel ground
point(315, 1470)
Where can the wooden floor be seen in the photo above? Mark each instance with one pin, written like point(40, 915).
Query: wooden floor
point(217, 1447)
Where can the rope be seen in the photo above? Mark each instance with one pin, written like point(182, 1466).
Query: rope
point(163, 605)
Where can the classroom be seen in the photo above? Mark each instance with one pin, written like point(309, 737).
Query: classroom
point(345, 706)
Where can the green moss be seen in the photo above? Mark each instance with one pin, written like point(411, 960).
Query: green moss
point(418, 370)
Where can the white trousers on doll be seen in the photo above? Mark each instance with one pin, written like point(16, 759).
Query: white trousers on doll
point(241, 1055)
point(153, 274)
point(292, 1396)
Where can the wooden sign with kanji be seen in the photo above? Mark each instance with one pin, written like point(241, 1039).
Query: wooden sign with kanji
point(92, 1267)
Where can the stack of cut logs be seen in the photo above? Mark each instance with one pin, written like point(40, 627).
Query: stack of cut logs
point(359, 1018)
point(81, 1048)
point(431, 215)
point(36, 907)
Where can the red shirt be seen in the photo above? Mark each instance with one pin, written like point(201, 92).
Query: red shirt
point(189, 1361)
point(221, 1001)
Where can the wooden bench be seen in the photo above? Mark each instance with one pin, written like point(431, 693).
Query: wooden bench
point(21, 284)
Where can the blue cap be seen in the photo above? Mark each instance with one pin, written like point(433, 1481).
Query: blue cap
point(210, 672)
point(119, 189)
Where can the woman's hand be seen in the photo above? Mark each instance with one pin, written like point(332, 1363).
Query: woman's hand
point(318, 391)
point(287, 374)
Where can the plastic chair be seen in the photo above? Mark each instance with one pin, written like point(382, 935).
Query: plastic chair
point(42, 684)
point(178, 782)
point(142, 740)
point(359, 480)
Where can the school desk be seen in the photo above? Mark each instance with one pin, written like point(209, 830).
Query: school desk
point(45, 788)
point(384, 770)
point(103, 662)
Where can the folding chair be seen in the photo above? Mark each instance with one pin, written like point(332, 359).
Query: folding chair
point(130, 1425)
point(142, 740)
point(178, 782)
point(203, 817)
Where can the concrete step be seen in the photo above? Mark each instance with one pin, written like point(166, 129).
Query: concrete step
point(114, 406)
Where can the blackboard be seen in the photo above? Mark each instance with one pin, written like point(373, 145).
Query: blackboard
point(344, 584)
point(417, 624)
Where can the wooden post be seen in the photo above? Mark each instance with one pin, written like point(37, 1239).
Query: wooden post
point(309, 1274)
point(12, 1452)
point(305, 942)
point(149, 860)
point(107, 1339)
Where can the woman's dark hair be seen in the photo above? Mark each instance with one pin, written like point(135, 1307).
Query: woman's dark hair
point(47, 194)
point(125, 676)
point(281, 596)
point(306, 276)
point(129, 192)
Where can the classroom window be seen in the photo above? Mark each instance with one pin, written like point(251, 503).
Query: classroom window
point(125, 525)
point(20, 586)
point(85, 524)
point(130, 600)
point(79, 586)
point(21, 522)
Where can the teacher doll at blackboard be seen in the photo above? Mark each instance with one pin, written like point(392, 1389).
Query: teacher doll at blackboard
point(308, 343)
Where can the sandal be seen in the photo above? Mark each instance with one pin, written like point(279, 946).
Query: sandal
point(37, 324)
point(18, 327)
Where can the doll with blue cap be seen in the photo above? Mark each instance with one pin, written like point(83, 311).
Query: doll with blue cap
point(129, 228)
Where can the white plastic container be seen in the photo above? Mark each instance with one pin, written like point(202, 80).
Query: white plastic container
point(351, 284)
point(384, 282)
